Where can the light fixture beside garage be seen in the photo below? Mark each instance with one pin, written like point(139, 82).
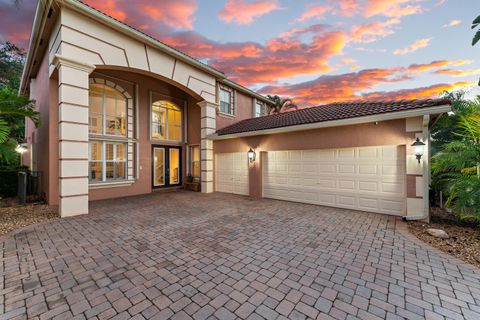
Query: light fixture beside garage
point(418, 147)
point(251, 155)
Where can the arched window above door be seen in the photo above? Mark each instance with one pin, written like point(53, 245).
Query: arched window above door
point(166, 120)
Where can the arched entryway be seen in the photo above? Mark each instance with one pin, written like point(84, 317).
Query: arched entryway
point(140, 131)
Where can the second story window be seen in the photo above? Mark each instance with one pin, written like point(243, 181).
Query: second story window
point(107, 111)
point(227, 100)
point(260, 109)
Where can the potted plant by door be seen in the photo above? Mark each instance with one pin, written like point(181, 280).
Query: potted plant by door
point(191, 184)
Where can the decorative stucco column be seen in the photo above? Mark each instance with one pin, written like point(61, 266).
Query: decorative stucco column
point(418, 173)
point(73, 135)
point(208, 125)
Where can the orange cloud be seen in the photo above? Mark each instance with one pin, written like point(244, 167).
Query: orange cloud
point(454, 22)
point(343, 87)
point(346, 61)
point(111, 7)
point(286, 56)
point(391, 8)
point(432, 91)
point(146, 13)
point(203, 48)
point(414, 68)
point(420, 43)
point(370, 32)
point(346, 7)
point(276, 62)
point(175, 14)
point(313, 11)
point(357, 86)
point(243, 12)
point(458, 73)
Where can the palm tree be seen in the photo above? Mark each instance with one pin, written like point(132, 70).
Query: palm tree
point(281, 104)
point(457, 167)
point(13, 111)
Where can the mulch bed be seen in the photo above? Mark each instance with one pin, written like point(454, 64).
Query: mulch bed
point(464, 241)
point(14, 216)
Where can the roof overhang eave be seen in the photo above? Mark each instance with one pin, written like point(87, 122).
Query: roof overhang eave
point(40, 18)
point(337, 123)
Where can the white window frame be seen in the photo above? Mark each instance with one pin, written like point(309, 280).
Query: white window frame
point(104, 160)
point(182, 105)
point(132, 129)
point(263, 108)
point(233, 109)
point(104, 115)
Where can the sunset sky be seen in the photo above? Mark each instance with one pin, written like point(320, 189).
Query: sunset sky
point(315, 51)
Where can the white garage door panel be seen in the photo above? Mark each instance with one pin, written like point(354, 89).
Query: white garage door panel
point(231, 173)
point(369, 179)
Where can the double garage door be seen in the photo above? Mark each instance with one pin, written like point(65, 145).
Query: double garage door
point(368, 178)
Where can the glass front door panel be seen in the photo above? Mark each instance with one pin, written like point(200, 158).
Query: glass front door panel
point(174, 166)
point(167, 166)
point(158, 167)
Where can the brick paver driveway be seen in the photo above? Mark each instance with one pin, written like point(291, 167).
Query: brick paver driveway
point(184, 255)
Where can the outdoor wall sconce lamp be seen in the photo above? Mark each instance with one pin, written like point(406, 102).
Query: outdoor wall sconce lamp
point(21, 148)
point(418, 147)
point(251, 155)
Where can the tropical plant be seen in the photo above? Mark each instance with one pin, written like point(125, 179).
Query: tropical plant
point(456, 169)
point(443, 130)
point(13, 108)
point(13, 111)
point(281, 104)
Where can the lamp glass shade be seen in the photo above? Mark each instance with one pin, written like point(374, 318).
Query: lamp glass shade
point(251, 155)
point(21, 149)
point(418, 147)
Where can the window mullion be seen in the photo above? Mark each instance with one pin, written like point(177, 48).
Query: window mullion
point(113, 160)
point(104, 120)
point(104, 162)
point(167, 136)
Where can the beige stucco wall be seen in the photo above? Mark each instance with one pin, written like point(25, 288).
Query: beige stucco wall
point(89, 41)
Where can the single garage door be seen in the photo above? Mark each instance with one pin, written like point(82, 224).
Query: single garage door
point(368, 179)
point(231, 173)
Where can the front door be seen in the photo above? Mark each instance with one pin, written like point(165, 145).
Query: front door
point(167, 168)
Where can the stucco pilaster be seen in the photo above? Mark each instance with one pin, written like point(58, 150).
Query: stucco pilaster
point(208, 127)
point(73, 135)
point(418, 173)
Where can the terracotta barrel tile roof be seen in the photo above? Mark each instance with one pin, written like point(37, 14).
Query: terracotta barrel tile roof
point(329, 112)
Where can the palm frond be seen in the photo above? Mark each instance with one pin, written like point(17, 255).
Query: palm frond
point(476, 38)
point(4, 131)
point(476, 22)
point(7, 152)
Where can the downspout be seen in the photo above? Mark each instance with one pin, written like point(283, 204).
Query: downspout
point(426, 173)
